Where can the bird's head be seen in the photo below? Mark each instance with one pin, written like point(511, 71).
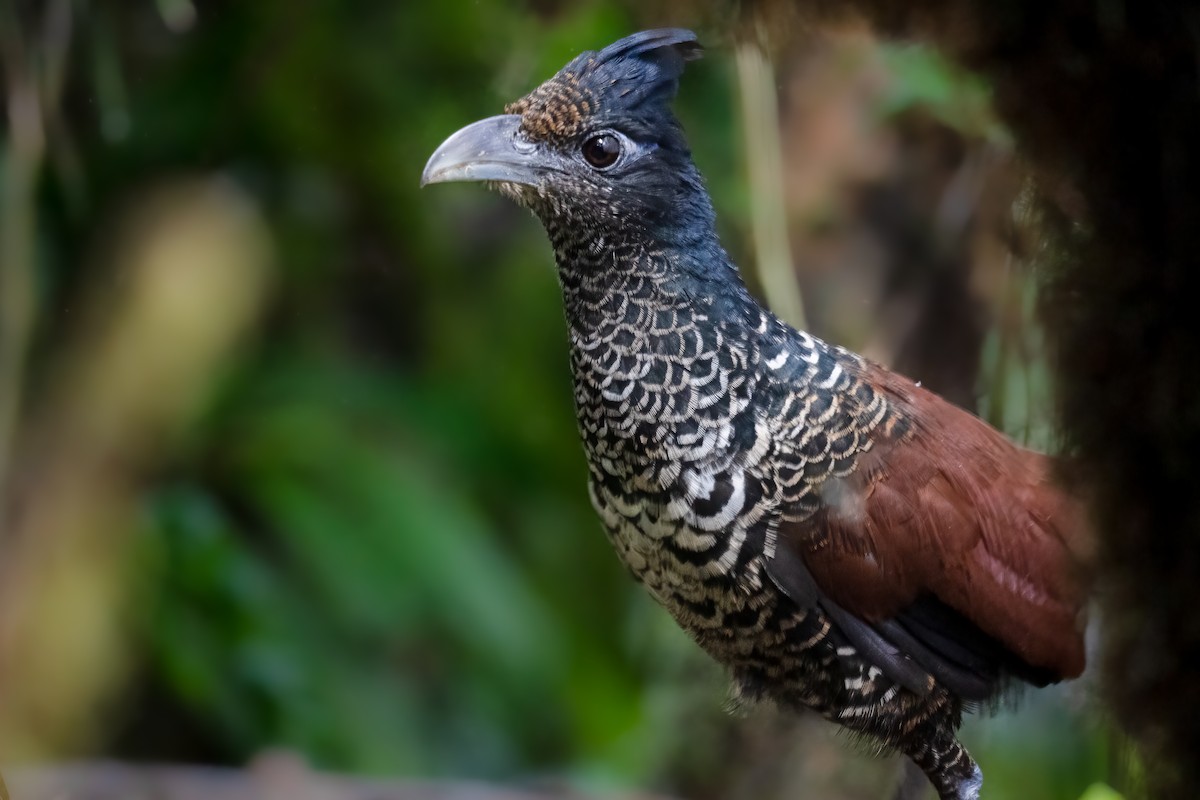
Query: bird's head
point(596, 145)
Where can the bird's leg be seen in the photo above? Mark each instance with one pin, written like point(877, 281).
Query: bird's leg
point(947, 765)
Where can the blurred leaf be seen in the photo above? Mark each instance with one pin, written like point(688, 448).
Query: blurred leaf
point(1100, 791)
point(921, 76)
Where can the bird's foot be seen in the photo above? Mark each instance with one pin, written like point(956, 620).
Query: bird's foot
point(968, 788)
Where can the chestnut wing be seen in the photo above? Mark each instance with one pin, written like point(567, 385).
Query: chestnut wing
point(946, 545)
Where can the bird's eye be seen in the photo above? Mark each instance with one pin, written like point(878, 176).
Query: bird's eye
point(602, 150)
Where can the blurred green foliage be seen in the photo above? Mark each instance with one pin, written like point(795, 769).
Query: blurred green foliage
point(1100, 791)
point(958, 98)
point(377, 547)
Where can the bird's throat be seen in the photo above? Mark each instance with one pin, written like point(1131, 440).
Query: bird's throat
point(625, 276)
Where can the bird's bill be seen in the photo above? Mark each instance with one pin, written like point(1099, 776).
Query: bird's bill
point(488, 150)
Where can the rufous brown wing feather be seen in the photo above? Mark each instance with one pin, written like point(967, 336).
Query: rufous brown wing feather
point(953, 510)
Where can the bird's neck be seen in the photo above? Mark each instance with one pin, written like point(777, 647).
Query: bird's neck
point(614, 275)
point(647, 322)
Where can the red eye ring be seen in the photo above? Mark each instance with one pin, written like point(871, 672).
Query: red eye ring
point(602, 150)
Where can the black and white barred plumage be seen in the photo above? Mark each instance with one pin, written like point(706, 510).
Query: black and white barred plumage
point(707, 423)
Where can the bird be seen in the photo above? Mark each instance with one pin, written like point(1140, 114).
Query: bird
point(839, 538)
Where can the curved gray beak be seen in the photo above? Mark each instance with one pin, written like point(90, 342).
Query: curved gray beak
point(488, 150)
